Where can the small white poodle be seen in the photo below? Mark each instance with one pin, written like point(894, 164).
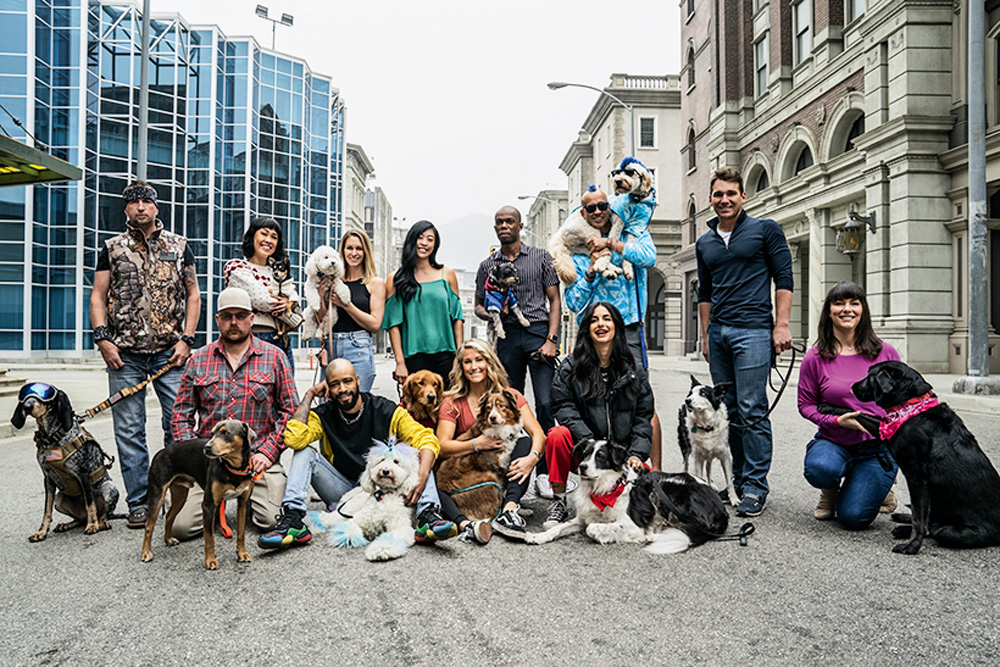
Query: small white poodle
point(374, 515)
point(324, 263)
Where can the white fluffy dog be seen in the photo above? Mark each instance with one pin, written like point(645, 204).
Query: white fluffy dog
point(325, 262)
point(374, 515)
point(571, 239)
point(703, 430)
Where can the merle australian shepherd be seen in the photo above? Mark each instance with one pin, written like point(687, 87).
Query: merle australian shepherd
point(953, 486)
point(615, 504)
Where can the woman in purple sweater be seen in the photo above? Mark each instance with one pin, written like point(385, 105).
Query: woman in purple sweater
point(843, 460)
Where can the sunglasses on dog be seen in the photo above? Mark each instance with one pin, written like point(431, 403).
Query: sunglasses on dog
point(39, 390)
point(599, 206)
point(628, 171)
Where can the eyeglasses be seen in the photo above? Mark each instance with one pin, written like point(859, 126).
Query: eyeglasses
point(239, 316)
point(599, 206)
point(39, 390)
point(628, 171)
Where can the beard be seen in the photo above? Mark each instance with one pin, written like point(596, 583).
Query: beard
point(233, 334)
point(347, 400)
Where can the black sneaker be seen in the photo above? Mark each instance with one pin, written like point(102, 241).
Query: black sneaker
point(557, 513)
point(289, 531)
point(432, 527)
point(510, 524)
point(750, 505)
point(137, 517)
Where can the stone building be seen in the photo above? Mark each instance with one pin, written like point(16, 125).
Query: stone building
point(602, 143)
point(827, 105)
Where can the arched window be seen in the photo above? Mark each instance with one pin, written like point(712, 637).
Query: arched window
point(804, 161)
point(763, 182)
point(857, 129)
point(693, 223)
point(690, 65)
point(692, 161)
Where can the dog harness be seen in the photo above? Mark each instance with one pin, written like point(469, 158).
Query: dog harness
point(899, 415)
point(54, 457)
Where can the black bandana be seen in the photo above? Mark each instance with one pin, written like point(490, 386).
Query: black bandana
point(137, 192)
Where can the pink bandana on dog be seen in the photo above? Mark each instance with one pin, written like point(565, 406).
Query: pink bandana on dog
point(900, 414)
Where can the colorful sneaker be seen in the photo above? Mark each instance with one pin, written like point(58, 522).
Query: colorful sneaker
point(750, 505)
point(289, 531)
point(432, 527)
point(477, 531)
point(510, 524)
point(557, 513)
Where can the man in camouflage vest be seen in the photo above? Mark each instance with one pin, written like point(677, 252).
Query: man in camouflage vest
point(144, 308)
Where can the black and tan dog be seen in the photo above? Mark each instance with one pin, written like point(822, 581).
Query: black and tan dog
point(953, 486)
point(220, 465)
point(75, 467)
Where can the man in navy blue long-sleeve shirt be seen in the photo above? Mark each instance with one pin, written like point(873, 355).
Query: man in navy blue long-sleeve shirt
point(738, 258)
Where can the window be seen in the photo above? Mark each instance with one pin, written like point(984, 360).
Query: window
point(690, 67)
point(763, 182)
point(854, 8)
point(647, 133)
point(608, 142)
point(692, 223)
point(692, 162)
point(804, 161)
point(857, 129)
point(802, 15)
point(760, 59)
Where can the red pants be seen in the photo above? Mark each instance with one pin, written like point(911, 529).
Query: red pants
point(559, 454)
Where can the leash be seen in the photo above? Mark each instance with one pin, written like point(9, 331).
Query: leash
point(744, 532)
point(121, 394)
point(780, 390)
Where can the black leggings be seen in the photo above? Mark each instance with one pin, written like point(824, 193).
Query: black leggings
point(440, 363)
point(513, 493)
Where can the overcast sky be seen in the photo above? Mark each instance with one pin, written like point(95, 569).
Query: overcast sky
point(448, 98)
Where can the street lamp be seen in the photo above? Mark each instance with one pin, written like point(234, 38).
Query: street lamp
point(556, 85)
point(286, 20)
point(852, 236)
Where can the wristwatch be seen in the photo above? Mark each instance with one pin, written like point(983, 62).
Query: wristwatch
point(101, 333)
point(188, 339)
point(554, 338)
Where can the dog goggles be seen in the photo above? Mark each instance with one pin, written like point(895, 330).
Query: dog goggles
point(628, 171)
point(39, 390)
point(599, 206)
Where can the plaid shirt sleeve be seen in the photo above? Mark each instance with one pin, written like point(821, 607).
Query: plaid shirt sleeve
point(182, 423)
point(285, 400)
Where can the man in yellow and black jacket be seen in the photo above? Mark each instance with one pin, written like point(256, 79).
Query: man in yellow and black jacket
point(346, 426)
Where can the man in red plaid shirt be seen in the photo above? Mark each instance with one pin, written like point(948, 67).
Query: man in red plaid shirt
point(237, 377)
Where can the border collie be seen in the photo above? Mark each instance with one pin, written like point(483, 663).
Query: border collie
point(703, 430)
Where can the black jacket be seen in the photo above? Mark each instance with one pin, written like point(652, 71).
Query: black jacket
point(628, 418)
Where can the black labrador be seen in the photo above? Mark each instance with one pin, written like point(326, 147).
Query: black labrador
point(954, 489)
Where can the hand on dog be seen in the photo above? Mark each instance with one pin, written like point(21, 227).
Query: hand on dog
point(280, 305)
point(413, 496)
point(110, 353)
point(520, 469)
point(485, 443)
point(260, 463)
point(849, 420)
point(635, 463)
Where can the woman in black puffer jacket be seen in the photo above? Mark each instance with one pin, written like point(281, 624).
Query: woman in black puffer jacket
point(598, 393)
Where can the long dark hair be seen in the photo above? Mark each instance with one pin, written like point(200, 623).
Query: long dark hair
point(866, 343)
point(256, 225)
point(403, 281)
point(586, 363)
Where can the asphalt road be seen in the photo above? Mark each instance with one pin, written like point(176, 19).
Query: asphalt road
point(802, 592)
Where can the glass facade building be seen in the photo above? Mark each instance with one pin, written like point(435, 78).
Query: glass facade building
point(235, 131)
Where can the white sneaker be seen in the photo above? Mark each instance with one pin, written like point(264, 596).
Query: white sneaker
point(530, 493)
point(544, 489)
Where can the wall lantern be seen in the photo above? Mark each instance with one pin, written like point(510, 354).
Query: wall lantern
point(852, 236)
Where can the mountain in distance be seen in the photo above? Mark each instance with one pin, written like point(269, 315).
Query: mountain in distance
point(466, 242)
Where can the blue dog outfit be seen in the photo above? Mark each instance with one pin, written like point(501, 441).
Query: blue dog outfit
point(496, 298)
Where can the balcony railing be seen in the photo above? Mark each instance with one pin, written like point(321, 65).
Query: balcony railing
point(641, 82)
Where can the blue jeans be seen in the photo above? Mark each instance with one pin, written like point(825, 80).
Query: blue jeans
point(310, 467)
point(515, 355)
point(865, 481)
point(356, 347)
point(272, 338)
point(743, 356)
point(129, 416)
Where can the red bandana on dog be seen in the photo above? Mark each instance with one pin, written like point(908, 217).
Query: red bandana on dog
point(606, 500)
point(899, 415)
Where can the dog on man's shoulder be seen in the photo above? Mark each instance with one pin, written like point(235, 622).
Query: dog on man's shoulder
point(614, 503)
point(703, 432)
point(953, 485)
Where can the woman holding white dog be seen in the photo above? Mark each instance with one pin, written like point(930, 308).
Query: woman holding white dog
point(359, 318)
point(599, 393)
point(476, 372)
point(853, 470)
point(265, 274)
point(423, 312)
